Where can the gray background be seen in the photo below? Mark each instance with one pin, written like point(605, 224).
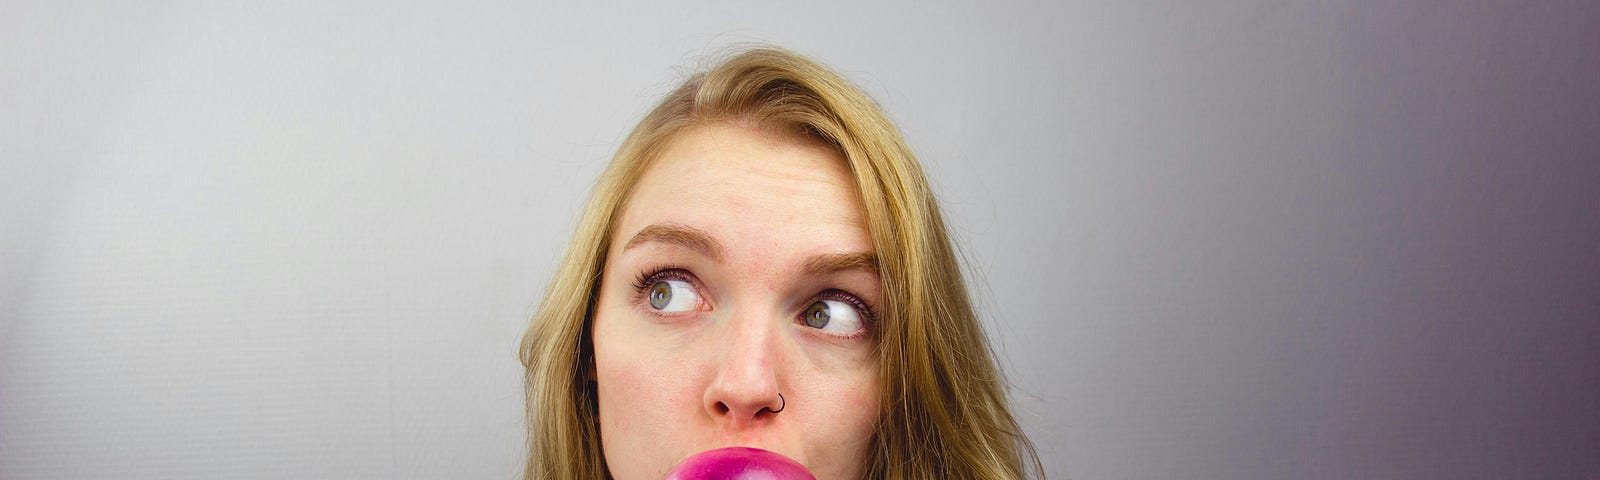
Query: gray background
point(1231, 240)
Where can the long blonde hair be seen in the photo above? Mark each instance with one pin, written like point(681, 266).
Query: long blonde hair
point(944, 408)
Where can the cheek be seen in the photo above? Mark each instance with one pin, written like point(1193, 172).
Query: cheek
point(863, 407)
point(841, 423)
point(623, 377)
point(639, 396)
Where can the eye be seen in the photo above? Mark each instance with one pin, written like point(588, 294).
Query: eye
point(672, 296)
point(833, 316)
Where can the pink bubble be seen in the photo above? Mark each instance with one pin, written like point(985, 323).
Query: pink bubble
point(739, 463)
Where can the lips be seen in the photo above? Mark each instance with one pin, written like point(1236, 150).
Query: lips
point(739, 463)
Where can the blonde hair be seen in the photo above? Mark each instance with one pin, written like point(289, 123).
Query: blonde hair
point(944, 409)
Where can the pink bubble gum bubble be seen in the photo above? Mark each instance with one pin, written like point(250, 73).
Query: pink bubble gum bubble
point(739, 463)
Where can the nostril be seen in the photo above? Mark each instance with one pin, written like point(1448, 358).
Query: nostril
point(722, 407)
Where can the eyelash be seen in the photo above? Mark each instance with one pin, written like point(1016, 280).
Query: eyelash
point(649, 277)
point(867, 312)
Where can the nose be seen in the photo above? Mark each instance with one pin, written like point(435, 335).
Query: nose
point(744, 390)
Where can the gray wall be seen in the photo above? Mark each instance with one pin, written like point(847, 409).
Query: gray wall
point(1238, 240)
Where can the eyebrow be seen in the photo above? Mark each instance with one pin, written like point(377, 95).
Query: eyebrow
point(680, 235)
point(839, 262)
point(703, 243)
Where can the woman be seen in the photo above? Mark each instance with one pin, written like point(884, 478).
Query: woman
point(762, 264)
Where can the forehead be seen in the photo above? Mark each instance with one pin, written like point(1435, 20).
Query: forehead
point(749, 182)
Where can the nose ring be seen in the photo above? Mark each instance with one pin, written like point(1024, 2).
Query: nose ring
point(784, 404)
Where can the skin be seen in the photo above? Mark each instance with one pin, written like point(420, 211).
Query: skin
point(675, 383)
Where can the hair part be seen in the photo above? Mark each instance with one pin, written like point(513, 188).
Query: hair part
point(944, 411)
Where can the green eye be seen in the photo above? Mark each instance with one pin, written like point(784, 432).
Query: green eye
point(817, 315)
point(836, 317)
point(660, 295)
point(671, 296)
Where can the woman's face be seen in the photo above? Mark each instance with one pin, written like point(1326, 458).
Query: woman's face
point(739, 270)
